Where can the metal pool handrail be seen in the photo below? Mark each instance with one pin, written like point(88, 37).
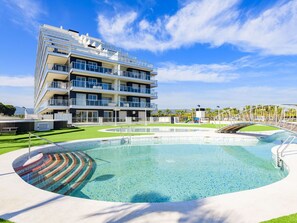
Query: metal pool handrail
point(280, 151)
point(44, 139)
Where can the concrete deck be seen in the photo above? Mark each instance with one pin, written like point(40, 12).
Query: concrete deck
point(21, 202)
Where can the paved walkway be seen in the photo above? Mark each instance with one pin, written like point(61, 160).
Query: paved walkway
point(21, 202)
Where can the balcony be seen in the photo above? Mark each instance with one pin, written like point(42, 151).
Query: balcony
point(92, 85)
point(57, 85)
point(111, 54)
point(52, 104)
point(92, 68)
point(130, 104)
point(58, 67)
point(130, 89)
point(142, 76)
point(52, 88)
point(58, 102)
point(154, 84)
point(57, 54)
point(78, 102)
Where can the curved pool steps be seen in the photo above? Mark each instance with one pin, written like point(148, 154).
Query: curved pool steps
point(59, 172)
point(86, 174)
point(30, 164)
point(32, 168)
point(49, 177)
point(65, 183)
point(39, 176)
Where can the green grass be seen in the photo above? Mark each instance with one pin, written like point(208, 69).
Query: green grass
point(13, 142)
point(258, 128)
point(286, 219)
point(5, 221)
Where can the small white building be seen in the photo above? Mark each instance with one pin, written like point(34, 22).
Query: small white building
point(200, 113)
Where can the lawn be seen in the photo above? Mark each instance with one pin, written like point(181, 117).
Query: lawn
point(252, 128)
point(286, 219)
point(14, 142)
point(5, 221)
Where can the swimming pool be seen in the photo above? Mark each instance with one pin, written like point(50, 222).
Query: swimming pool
point(153, 172)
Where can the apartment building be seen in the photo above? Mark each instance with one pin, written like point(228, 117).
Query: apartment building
point(90, 79)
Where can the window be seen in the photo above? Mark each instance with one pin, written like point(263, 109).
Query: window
point(106, 101)
point(92, 99)
point(80, 64)
point(80, 81)
point(92, 82)
point(92, 66)
point(143, 89)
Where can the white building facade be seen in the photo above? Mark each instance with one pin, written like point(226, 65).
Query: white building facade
point(90, 79)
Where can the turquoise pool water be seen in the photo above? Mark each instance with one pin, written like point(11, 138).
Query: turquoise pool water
point(170, 173)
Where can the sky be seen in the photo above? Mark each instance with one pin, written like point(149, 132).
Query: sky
point(209, 52)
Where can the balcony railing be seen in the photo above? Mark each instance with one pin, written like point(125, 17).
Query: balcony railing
point(79, 102)
point(136, 90)
point(57, 84)
point(137, 104)
point(154, 84)
point(89, 67)
point(142, 76)
point(112, 55)
point(89, 84)
point(57, 102)
point(58, 67)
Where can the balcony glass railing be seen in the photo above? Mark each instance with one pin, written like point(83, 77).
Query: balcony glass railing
point(136, 90)
point(155, 83)
point(112, 55)
point(89, 67)
point(79, 102)
point(57, 84)
point(136, 104)
point(89, 84)
point(142, 76)
point(57, 102)
point(58, 67)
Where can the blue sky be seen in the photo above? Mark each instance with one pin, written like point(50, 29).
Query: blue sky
point(208, 52)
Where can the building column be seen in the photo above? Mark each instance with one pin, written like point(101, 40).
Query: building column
point(118, 67)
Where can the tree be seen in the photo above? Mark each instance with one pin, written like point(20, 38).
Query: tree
point(2, 108)
point(10, 110)
point(7, 109)
point(160, 113)
point(168, 112)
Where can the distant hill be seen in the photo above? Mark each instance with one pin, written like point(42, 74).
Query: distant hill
point(21, 110)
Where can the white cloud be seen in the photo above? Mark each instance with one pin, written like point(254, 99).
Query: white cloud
point(214, 22)
point(229, 97)
point(16, 81)
point(209, 73)
point(25, 13)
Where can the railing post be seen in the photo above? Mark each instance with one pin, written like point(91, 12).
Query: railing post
point(29, 145)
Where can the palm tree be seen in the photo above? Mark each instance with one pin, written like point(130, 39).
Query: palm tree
point(168, 112)
point(178, 113)
point(160, 113)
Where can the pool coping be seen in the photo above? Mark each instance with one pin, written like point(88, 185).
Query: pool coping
point(21, 202)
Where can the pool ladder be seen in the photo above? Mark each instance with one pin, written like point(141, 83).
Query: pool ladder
point(281, 149)
point(44, 139)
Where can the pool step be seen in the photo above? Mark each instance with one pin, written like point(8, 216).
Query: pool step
point(59, 172)
point(30, 164)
